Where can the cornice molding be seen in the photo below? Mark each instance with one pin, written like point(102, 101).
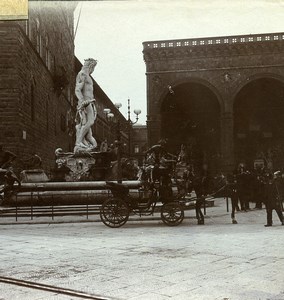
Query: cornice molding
point(214, 47)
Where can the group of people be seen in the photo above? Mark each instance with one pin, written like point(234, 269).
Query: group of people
point(260, 186)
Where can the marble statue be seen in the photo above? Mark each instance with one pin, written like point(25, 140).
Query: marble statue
point(86, 109)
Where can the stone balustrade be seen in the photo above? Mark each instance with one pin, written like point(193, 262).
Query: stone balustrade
point(238, 39)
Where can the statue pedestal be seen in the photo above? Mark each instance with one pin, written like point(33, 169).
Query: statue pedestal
point(88, 166)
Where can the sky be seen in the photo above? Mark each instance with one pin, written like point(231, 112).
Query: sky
point(113, 32)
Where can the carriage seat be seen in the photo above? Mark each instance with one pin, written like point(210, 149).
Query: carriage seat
point(118, 189)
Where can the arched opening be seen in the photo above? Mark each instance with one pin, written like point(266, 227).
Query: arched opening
point(258, 123)
point(191, 117)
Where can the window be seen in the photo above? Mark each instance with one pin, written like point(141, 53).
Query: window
point(47, 53)
point(38, 37)
point(63, 123)
point(47, 113)
point(55, 121)
point(69, 93)
point(26, 26)
point(136, 149)
point(32, 103)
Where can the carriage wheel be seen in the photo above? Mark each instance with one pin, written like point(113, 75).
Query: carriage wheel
point(114, 213)
point(172, 213)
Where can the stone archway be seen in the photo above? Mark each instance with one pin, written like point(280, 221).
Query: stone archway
point(259, 123)
point(191, 116)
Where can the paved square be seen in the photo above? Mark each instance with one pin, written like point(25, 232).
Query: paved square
point(148, 260)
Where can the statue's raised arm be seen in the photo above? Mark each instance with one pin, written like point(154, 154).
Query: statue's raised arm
point(86, 109)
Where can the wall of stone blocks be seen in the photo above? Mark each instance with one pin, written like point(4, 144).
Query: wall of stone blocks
point(33, 116)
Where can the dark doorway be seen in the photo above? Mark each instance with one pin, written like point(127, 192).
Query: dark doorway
point(191, 116)
point(259, 123)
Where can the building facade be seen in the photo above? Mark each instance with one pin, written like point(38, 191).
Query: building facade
point(37, 81)
point(222, 97)
point(138, 142)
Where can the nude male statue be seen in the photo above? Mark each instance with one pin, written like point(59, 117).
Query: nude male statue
point(86, 108)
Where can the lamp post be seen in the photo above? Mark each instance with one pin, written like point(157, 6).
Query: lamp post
point(117, 124)
point(137, 112)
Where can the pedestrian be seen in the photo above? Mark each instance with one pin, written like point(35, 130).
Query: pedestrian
point(231, 192)
point(201, 188)
point(243, 187)
point(258, 186)
point(188, 176)
point(273, 198)
point(104, 146)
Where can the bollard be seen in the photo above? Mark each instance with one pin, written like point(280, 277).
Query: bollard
point(227, 203)
point(52, 215)
point(31, 205)
point(16, 207)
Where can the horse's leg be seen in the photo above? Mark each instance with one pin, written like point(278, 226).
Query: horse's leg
point(234, 201)
point(199, 214)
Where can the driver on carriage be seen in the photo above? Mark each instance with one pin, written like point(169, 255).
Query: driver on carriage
point(157, 161)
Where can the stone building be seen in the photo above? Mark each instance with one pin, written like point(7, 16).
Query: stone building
point(139, 142)
point(37, 81)
point(222, 97)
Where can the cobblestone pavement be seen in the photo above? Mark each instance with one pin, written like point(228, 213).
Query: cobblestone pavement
point(148, 260)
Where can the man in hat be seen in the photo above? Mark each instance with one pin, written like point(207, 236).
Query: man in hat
point(273, 197)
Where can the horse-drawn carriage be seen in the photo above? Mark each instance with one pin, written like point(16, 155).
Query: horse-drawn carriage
point(163, 189)
point(152, 196)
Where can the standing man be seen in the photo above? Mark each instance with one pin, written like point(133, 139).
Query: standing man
point(86, 108)
point(231, 191)
point(273, 198)
point(243, 187)
point(258, 186)
point(201, 188)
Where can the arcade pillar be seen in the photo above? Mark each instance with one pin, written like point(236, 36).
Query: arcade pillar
point(227, 141)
